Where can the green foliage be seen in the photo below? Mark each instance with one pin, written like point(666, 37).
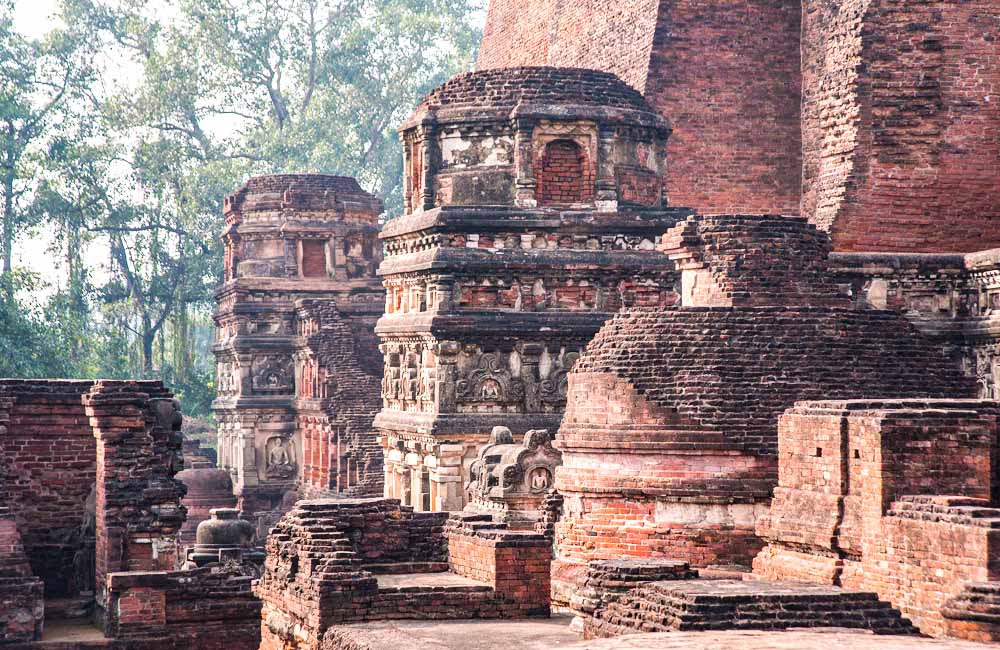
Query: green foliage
point(29, 346)
point(142, 116)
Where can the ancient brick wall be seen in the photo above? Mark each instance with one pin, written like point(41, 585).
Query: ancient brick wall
point(515, 563)
point(899, 123)
point(48, 459)
point(725, 73)
point(589, 34)
point(137, 500)
point(856, 502)
point(323, 557)
point(338, 398)
point(185, 609)
point(21, 604)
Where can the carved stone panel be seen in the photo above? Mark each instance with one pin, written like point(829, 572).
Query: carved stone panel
point(273, 375)
point(279, 458)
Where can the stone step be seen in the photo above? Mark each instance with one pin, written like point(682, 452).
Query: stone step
point(682, 605)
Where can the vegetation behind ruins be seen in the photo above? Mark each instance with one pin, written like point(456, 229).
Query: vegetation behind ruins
point(122, 128)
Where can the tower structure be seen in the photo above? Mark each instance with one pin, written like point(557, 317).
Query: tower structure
point(876, 119)
point(726, 74)
point(670, 445)
point(298, 364)
point(533, 199)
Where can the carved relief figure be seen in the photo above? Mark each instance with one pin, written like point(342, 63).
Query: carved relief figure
point(280, 456)
point(427, 385)
point(490, 382)
point(553, 389)
point(539, 479)
point(273, 375)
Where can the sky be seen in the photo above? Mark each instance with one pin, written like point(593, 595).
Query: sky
point(35, 18)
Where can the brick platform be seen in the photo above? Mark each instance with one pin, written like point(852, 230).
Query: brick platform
point(688, 605)
point(889, 496)
point(606, 580)
point(323, 556)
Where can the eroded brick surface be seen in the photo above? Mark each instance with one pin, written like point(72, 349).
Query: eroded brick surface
point(894, 497)
point(670, 435)
point(725, 73)
point(324, 555)
point(297, 361)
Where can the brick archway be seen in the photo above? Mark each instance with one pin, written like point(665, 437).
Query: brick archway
point(563, 174)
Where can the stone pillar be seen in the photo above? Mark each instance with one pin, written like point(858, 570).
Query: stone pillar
point(605, 186)
point(525, 183)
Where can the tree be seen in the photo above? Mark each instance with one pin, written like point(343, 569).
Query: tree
point(37, 80)
point(187, 98)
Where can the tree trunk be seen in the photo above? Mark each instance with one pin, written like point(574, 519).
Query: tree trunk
point(8, 231)
point(148, 337)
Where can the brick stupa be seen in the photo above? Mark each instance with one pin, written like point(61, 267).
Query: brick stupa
point(670, 435)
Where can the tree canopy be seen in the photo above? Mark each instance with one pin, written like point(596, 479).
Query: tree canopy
point(124, 127)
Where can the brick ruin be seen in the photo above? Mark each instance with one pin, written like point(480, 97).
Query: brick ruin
point(894, 497)
point(533, 198)
point(89, 530)
point(876, 119)
point(560, 392)
point(332, 562)
point(670, 448)
point(298, 364)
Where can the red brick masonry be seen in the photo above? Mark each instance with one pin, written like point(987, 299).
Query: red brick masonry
point(858, 505)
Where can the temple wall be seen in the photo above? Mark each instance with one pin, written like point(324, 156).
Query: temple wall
point(48, 462)
point(899, 124)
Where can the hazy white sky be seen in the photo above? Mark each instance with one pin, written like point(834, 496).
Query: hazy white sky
point(34, 18)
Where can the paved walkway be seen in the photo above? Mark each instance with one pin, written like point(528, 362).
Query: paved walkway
point(542, 634)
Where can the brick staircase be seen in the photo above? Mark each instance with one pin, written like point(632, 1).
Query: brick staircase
point(692, 605)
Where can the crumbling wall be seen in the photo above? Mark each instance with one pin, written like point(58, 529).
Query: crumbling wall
point(858, 502)
point(515, 564)
point(138, 510)
point(338, 397)
point(899, 124)
point(21, 604)
point(48, 464)
point(185, 609)
point(323, 557)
